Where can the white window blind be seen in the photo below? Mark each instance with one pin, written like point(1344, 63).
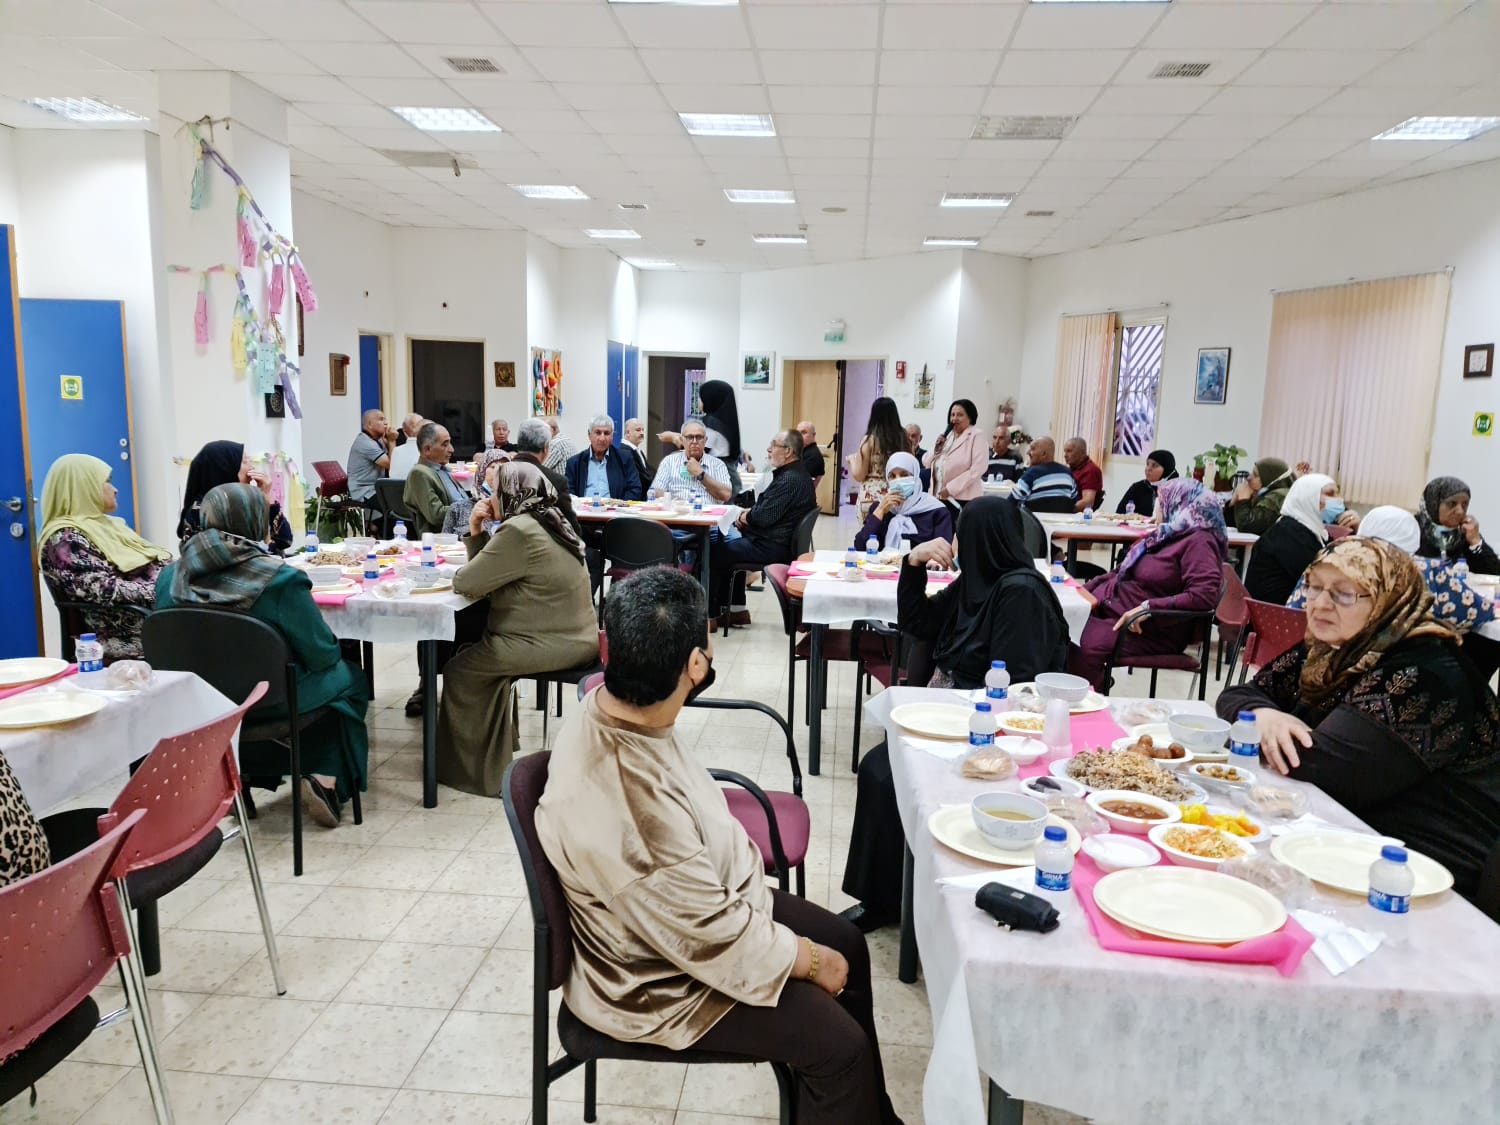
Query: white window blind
point(1082, 402)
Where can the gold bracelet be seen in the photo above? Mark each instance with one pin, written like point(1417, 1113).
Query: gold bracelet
point(812, 952)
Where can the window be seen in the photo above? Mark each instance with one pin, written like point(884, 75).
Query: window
point(1137, 383)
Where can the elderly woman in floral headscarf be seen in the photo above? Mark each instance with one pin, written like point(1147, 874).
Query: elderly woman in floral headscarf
point(527, 560)
point(456, 522)
point(1379, 708)
point(1176, 566)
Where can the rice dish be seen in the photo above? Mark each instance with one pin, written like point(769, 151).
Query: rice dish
point(1121, 769)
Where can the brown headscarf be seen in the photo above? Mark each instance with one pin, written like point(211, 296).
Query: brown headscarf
point(521, 487)
point(1402, 608)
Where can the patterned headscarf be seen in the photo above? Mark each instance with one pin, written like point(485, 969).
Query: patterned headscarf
point(1402, 607)
point(483, 462)
point(226, 565)
point(1186, 506)
point(1441, 539)
point(521, 488)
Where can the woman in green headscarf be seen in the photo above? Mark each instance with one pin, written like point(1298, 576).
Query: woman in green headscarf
point(90, 556)
point(1256, 504)
point(227, 566)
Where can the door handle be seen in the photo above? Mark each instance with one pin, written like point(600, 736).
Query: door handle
point(15, 504)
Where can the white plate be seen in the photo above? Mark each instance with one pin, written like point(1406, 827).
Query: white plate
point(29, 669)
point(1160, 732)
point(1006, 720)
point(1198, 794)
point(1342, 860)
point(1157, 836)
point(46, 708)
point(1093, 701)
point(1023, 750)
point(1070, 788)
point(1189, 905)
point(343, 585)
point(445, 585)
point(933, 720)
point(954, 826)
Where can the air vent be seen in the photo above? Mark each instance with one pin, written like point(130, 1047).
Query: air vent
point(633, 207)
point(1181, 70)
point(464, 65)
point(408, 158)
point(1022, 128)
point(1040, 214)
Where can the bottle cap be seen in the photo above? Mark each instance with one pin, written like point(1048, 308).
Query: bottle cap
point(1393, 853)
point(985, 707)
point(997, 664)
point(88, 636)
point(1246, 716)
point(1053, 832)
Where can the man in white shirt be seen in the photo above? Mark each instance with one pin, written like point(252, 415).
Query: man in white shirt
point(703, 475)
point(559, 450)
point(405, 455)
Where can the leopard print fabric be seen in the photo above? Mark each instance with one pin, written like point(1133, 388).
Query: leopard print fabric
point(23, 844)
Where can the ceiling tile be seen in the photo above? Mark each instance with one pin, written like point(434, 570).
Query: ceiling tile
point(1246, 126)
point(797, 125)
point(955, 127)
point(687, 66)
point(611, 97)
point(822, 99)
point(307, 87)
point(819, 68)
point(434, 59)
point(374, 60)
point(1152, 99)
point(556, 25)
point(341, 114)
point(409, 22)
point(938, 26)
point(1058, 68)
point(636, 123)
point(584, 64)
point(1124, 126)
point(664, 25)
point(709, 98)
point(1086, 25)
point(1313, 68)
point(1071, 100)
point(142, 54)
point(844, 144)
point(1282, 99)
point(1226, 25)
point(252, 54)
point(1224, 66)
point(814, 26)
point(929, 99)
point(924, 68)
point(73, 17)
point(314, 21)
point(404, 91)
point(1337, 27)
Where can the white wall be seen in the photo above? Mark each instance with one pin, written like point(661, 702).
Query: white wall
point(691, 313)
point(991, 329)
point(1218, 282)
point(10, 197)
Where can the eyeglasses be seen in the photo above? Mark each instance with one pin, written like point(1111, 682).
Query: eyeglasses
point(1341, 598)
point(694, 437)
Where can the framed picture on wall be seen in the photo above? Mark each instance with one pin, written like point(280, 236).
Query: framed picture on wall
point(1479, 361)
point(505, 373)
point(760, 371)
point(1212, 382)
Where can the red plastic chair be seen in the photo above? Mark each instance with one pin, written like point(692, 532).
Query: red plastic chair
point(333, 490)
point(1273, 630)
point(61, 931)
point(1231, 617)
point(1202, 622)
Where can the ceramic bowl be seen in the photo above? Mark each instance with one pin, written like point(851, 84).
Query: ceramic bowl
point(1012, 835)
point(1135, 826)
point(1060, 685)
point(1023, 751)
point(1199, 732)
point(1188, 859)
point(325, 575)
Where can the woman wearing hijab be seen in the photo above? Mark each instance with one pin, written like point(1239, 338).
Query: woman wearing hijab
point(867, 464)
point(959, 458)
point(905, 512)
point(1380, 710)
point(541, 619)
point(90, 556)
point(1160, 466)
point(1256, 503)
point(1287, 549)
point(226, 566)
point(1177, 565)
point(1001, 608)
point(1448, 531)
point(456, 522)
point(225, 462)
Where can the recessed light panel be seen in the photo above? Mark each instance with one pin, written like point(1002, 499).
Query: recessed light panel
point(782, 239)
point(968, 242)
point(754, 195)
point(611, 234)
point(975, 199)
point(445, 119)
point(548, 191)
point(1439, 129)
point(651, 263)
point(683, 3)
point(728, 124)
point(84, 109)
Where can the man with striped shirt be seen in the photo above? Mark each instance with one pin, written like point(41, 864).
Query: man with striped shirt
point(1047, 486)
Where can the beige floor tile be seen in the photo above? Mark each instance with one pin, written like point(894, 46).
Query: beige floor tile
point(202, 960)
point(518, 931)
point(353, 912)
point(648, 1085)
point(494, 836)
point(905, 1068)
point(66, 1093)
point(467, 1055)
point(609, 1114)
point(503, 983)
point(312, 968)
point(746, 1091)
point(483, 873)
point(432, 828)
point(325, 856)
point(902, 1015)
point(396, 868)
point(416, 976)
point(313, 1103)
point(361, 1045)
point(233, 909)
point(411, 1106)
point(458, 919)
point(693, 1117)
point(187, 898)
point(116, 1044)
point(203, 1099)
point(244, 1035)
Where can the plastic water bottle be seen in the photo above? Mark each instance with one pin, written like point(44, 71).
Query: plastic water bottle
point(1059, 575)
point(872, 550)
point(310, 545)
point(1244, 740)
point(1054, 860)
point(996, 683)
point(89, 653)
point(429, 552)
point(1130, 507)
point(851, 560)
point(981, 727)
point(1088, 514)
point(400, 532)
point(1391, 884)
point(372, 569)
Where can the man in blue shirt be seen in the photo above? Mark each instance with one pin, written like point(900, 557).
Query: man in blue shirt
point(1048, 486)
point(601, 469)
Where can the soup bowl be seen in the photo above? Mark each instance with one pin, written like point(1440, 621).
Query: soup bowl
point(1009, 820)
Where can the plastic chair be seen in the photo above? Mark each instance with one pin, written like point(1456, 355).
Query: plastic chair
point(552, 958)
point(391, 502)
point(1272, 630)
point(333, 491)
point(545, 680)
point(62, 930)
point(884, 669)
point(233, 652)
point(1202, 621)
point(631, 543)
point(72, 621)
point(1232, 616)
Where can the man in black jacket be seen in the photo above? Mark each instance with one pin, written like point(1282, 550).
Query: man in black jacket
point(766, 530)
point(812, 456)
point(533, 436)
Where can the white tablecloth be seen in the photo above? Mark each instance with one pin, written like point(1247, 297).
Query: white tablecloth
point(829, 600)
point(1408, 1035)
point(421, 617)
point(56, 764)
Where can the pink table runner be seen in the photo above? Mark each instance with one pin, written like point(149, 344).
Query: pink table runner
point(1089, 730)
point(70, 670)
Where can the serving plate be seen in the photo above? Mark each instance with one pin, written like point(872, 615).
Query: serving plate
point(1342, 860)
point(1007, 721)
point(1059, 768)
point(47, 708)
point(954, 826)
point(1185, 904)
point(933, 720)
point(1093, 701)
point(29, 670)
point(439, 587)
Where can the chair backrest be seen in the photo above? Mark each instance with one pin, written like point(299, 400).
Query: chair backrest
point(389, 494)
point(635, 542)
point(233, 652)
point(522, 789)
point(1034, 534)
point(1232, 609)
point(802, 538)
point(1057, 505)
point(187, 785)
point(333, 480)
point(1274, 629)
point(61, 932)
point(791, 615)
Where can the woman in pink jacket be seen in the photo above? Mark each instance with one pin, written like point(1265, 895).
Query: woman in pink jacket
point(959, 458)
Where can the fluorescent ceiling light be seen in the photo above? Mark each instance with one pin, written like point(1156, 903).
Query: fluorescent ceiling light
point(950, 242)
point(1438, 129)
point(728, 124)
point(781, 239)
point(684, 3)
point(975, 199)
point(755, 195)
point(651, 263)
point(548, 191)
point(84, 109)
point(445, 119)
point(1100, 1)
point(611, 233)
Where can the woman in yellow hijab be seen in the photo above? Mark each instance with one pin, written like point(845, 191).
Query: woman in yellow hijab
point(91, 556)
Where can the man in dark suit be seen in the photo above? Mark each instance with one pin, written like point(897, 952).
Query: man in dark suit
point(533, 436)
point(635, 441)
point(812, 456)
point(602, 469)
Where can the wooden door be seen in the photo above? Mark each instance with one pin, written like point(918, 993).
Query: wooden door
point(816, 396)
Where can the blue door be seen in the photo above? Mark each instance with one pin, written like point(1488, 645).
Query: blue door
point(632, 405)
point(77, 400)
point(369, 373)
point(22, 635)
point(614, 372)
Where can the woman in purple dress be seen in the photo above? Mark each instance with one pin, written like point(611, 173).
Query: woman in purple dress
point(1178, 565)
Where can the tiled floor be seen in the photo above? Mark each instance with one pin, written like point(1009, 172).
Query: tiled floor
point(405, 950)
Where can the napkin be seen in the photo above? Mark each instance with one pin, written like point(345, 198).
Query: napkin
point(1283, 949)
point(333, 597)
point(948, 750)
point(727, 516)
point(718, 511)
point(70, 670)
point(1337, 947)
point(1021, 878)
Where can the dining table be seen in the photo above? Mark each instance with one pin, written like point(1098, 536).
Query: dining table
point(1074, 530)
point(699, 522)
point(1409, 1033)
point(827, 598)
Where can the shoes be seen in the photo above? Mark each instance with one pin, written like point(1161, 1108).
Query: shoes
point(321, 803)
point(713, 625)
point(867, 920)
point(739, 617)
point(414, 705)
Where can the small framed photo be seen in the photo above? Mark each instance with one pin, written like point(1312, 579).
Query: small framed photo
point(505, 373)
point(338, 374)
point(1212, 383)
point(1479, 361)
point(760, 371)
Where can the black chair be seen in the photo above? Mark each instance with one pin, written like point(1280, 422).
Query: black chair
point(552, 957)
point(390, 502)
point(885, 668)
point(546, 680)
point(1203, 623)
point(630, 544)
point(72, 621)
point(1034, 533)
point(234, 652)
point(1488, 896)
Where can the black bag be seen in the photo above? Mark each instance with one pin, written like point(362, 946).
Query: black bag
point(1016, 909)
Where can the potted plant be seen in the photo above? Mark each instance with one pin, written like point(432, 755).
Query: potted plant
point(1226, 462)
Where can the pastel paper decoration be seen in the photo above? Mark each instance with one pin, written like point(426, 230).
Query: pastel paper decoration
point(200, 312)
point(304, 286)
point(238, 354)
point(247, 239)
point(278, 288)
point(200, 180)
point(289, 391)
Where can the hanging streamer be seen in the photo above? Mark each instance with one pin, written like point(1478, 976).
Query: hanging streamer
point(288, 390)
point(200, 179)
point(304, 286)
point(238, 354)
point(278, 287)
point(200, 311)
point(247, 238)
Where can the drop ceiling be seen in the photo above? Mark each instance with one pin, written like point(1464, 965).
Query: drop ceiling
point(874, 103)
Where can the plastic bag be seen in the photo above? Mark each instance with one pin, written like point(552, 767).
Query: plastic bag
point(1277, 802)
point(1077, 813)
point(987, 764)
point(127, 675)
point(1289, 886)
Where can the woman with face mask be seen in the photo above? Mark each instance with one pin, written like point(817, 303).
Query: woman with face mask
point(1448, 531)
point(905, 512)
point(1294, 540)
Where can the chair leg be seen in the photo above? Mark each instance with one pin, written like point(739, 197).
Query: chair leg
point(148, 929)
point(253, 867)
point(590, 1091)
point(791, 680)
point(559, 698)
point(1153, 683)
point(295, 749)
point(786, 1090)
point(802, 879)
point(145, 1041)
point(127, 911)
point(860, 673)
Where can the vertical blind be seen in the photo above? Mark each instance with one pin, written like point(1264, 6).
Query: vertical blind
point(1081, 392)
point(1351, 380)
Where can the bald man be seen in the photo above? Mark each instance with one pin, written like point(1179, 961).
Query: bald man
point(1047, 486)
point(370, 455)
point(1086, 475)
point(812, 456)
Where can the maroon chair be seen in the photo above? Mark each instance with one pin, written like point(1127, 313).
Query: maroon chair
point(333, 492)
point(552, 958)
point(1272, 630)
point(1231, 618)
point(837, 643)
point(61, 932)
point(1202, 622)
